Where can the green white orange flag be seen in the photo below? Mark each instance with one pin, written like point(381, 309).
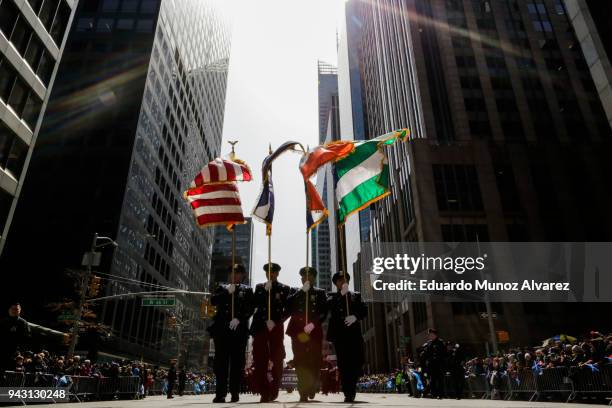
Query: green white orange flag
point(362, 177)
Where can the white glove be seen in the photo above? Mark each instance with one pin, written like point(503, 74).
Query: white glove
point(270, 324)
point(350, 320)
point(231, 288)
point(234, 323)
point(308, 328)
point(306, 286)
point(268, 285)
point(344, 289)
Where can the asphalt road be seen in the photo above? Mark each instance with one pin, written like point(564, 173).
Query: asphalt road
point(333, 400)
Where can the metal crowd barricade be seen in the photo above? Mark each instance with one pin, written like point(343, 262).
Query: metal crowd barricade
point(111, 387)
point(551, 381)
point(478, 385)
point(13, 379)
point(522, 381)
point(84, 387)
point(588, 382)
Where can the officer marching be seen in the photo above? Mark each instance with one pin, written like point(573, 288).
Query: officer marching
point(234, 303)
point(308, 309)
point(344, 332)
point(271, 311)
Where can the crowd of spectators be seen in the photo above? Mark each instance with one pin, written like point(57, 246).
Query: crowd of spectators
point(589, 353)
point(153, 379)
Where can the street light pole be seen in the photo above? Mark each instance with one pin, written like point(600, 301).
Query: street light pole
point(84, 284)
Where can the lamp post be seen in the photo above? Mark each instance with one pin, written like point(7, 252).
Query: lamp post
point(90, 259)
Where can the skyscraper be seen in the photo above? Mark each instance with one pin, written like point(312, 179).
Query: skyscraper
point(510, 134)
point(222, 252)
point(32, 38)
point(590, 19)
point(136, 111)
point(324, 252)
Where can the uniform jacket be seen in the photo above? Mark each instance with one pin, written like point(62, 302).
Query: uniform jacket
point(243, 309)
point(317, 311)
point(279, 304)
point(434, 354)
point(336, 304)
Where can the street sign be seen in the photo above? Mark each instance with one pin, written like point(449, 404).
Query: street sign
point(91, 258)
point(164, 301)
point(485, 315)
point(503, 336)
point(65, 317)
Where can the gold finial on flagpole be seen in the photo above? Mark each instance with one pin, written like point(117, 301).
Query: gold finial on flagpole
point(233, 152)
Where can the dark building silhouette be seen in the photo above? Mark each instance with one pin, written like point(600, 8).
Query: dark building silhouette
point(32, 38)
point(136, 110)
point(221, 259)
point(511, 145)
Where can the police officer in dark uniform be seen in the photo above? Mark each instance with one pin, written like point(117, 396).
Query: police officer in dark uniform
point(230, 333)
point(344, 331)
point(308, 309)
point(267, 332)
point(171, 379)
point(434, 359)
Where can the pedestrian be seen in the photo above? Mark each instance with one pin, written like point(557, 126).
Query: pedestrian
point(234, 303)
point(455, 364)
point(344, 332)
point(267, 331)
point(15, 332)
point(171, 378)
point(308, 309)
point(434, 356)
point(182, 378)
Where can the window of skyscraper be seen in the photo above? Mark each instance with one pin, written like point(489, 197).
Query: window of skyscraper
point(110, 6)
point(59, 23)
point(129, 6)
point(47, 13)
point(35, 4)
point(9, 14)
point(457, 187)
point(5, 205)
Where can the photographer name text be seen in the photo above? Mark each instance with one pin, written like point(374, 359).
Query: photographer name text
point(427, 285)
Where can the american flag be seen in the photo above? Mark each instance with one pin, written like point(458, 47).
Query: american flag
point(222, 171)
point(215, 204)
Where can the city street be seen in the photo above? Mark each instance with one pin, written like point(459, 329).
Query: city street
point(290, 400)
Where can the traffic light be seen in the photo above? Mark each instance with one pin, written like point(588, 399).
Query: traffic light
point(172, 322)
point(67, 337)
point(207, 311)
point(94, 286)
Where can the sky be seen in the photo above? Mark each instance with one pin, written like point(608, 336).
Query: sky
point(271, 98)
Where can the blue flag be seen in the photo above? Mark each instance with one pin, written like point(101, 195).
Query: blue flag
point(264, 209)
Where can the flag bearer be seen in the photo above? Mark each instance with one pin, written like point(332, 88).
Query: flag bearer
point(230, 332)
point(267, 331)
point(344, 332)
point(308, 309)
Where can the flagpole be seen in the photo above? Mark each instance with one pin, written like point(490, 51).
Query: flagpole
point(307, 273)
point(307, 238)
point(269, 234)
point(269, 274)
point(233, 263)
point(343, 262)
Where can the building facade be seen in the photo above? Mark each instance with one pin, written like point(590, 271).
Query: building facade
point(509, 131)
point(323, 237)
point(137, 110)
point(32, 38)
point(590, 19)
point(222, 252)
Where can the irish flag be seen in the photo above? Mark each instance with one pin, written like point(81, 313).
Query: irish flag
point(363, 175)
